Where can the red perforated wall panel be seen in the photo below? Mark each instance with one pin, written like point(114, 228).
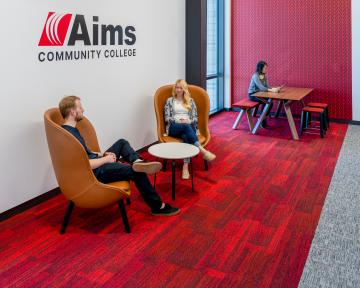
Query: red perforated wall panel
point(306, 43)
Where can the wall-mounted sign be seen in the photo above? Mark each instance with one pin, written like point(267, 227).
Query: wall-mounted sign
point(56, 34)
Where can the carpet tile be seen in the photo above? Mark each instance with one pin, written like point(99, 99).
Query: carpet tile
point(249, 223)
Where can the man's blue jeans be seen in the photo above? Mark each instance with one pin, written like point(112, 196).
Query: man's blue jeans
point(117, 171)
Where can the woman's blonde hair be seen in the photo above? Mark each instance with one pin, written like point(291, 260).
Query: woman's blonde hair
point(187, 94)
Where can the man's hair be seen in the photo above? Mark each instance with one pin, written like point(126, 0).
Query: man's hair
point(66, 104)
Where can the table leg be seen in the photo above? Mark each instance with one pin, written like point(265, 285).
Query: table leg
point(262, 116)
point(173, 163)
point(278, 110)
point(192, 175)
point(154, 181)
point(290, 120)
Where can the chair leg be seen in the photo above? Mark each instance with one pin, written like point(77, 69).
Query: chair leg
point(327, 117)
point(249, 119)
point(278, 109)
point(206, 165)
point(238, 119)
point(255, 111)
point(321, 125)
point(124, 215)
point(308, 119)
point(302, 123)
point(67, 217)
point(192, 175)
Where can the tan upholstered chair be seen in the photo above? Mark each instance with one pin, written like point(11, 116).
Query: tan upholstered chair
point(73, 172)
point(202, 102)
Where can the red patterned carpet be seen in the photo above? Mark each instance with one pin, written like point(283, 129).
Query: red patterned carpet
point(250, 222)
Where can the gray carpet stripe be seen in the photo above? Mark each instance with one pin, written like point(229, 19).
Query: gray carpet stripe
point(334, 258)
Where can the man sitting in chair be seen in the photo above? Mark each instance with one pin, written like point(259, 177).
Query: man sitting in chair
point(105, 165)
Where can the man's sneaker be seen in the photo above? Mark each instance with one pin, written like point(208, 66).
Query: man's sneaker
point(147, 167)
point(166, 211)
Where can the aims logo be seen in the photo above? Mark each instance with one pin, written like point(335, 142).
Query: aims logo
point(55, 29)
point(69, 30)
point(57, 25)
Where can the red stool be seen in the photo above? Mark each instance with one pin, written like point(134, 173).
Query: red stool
point(245, 105)
point(306, 114)
point(325, 107)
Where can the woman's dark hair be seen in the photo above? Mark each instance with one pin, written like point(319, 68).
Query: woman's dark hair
point(260, 65)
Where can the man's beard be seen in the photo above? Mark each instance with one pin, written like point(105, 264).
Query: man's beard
point(78, 117)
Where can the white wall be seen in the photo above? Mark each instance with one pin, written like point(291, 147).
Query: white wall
point(117, 94)
point(355, 11)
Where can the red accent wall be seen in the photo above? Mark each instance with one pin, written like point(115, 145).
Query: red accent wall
point(307, 43)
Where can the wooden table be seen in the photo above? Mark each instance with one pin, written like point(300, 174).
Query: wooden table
point(287, 95)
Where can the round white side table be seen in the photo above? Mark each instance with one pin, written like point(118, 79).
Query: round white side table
point(175, 151)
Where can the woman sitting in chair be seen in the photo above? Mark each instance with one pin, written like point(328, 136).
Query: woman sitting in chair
point(258, 83)
point(181, 121)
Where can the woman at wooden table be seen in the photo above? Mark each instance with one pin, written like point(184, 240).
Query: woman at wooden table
point(259, 83)
point(181, 121)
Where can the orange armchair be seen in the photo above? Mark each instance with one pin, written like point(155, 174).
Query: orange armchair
point(202, 102)
point(73, 172)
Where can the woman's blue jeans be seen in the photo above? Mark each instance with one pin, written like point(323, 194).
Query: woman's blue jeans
point(186, 132)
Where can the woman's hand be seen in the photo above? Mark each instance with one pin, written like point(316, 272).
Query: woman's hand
point(185, 121)
point(274, 90)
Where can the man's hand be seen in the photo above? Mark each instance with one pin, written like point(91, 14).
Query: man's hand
point(110, 157)
point(103, 154)
point(107, 153)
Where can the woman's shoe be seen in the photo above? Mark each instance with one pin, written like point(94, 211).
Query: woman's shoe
point(185, 174)
point(208, 156)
